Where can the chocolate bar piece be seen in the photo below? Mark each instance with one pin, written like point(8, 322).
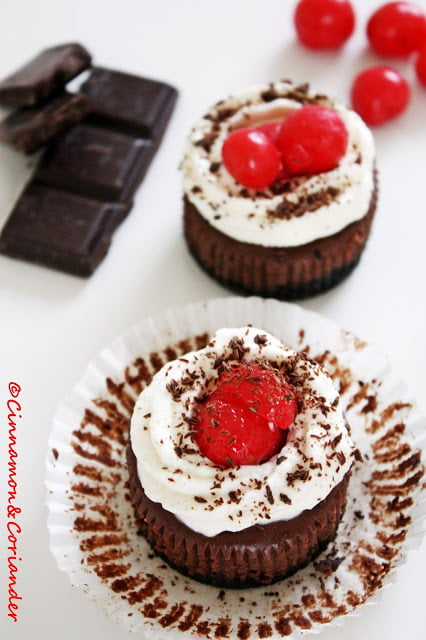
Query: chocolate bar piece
point(86, 179)
point(132, 104)
point(60, 230)
point(44, 75)
point(95, 162)
point(30, 128)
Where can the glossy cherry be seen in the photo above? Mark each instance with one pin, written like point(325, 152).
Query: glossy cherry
point(379, 94)
point(397, 29)
point(313, 139)
point(420, 66)
point(272, 130)
point(324, 24)
point(245, 419)
point(251, 158)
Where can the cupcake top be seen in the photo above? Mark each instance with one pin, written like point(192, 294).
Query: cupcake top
point(292, 211)
point(208, 498)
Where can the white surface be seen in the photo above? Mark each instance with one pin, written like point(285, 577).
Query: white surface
point(52, 323)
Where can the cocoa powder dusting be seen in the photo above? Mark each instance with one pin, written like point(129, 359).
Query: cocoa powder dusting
point(264, 630)
point(191, 618)
point(243, 631)
point(138, 375)
point(283, 626)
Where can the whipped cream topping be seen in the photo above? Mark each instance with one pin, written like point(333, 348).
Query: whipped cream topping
point(296, 212)
point(208, 499)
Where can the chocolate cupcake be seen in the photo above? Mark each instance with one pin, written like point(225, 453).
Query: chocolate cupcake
point(299, 235)
point(220, 506)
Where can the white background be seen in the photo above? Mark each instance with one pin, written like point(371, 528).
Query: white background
point(52, 324)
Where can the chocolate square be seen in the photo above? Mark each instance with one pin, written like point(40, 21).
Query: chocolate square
point(60, 230)
point(95, 162)
point(44, 75)
point(140, 106)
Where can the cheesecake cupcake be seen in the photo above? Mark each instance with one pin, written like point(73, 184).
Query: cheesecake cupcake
point(93, 533)
point(280, 191)
point(239, 460)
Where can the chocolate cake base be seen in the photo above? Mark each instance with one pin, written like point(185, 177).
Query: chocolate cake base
point(278, 272)
point(258, 555)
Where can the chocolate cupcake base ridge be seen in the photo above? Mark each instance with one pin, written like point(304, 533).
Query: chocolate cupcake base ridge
point(91, 521)
point(300, 234)
point(260, 554)
point(291, 273)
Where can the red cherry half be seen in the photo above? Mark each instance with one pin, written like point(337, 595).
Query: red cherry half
point(245, 419)
point(251, 158)
point(324, 24)
point(313, 139)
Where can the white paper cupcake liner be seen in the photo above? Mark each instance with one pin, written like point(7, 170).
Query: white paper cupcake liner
point(91, 522)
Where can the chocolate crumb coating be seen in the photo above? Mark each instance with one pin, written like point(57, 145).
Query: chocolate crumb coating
point(257, 555)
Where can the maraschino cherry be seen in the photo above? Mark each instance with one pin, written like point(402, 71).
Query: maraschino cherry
point(312, 140)
point(397, 29)
point(251, 158)
point(324, 24)
point(420, 65)
point(379, 94)
point(244, 421)
point(309, 140)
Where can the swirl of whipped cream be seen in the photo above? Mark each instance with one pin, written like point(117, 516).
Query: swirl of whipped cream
point(208, 499)
point(303, 209)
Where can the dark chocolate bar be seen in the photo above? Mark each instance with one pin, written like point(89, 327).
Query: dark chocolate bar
point(44, 75)
point(139, 106)
point(95, 162)
point(86, 179)
point(60, 230)
point(29, 128)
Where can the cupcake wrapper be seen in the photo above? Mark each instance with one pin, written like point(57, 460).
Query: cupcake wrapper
point(91, 521)
point(283, 273)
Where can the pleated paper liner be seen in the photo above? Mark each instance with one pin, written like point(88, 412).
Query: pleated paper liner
point(94, 537)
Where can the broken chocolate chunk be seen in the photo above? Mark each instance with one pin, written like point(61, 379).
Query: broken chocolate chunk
point(60, 230)
point(28, 129)
point(44, 75)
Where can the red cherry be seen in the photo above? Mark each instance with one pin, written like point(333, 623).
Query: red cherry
point(245, 419)
point(379, 94)
point(272, 130)
point(397, 29)
point(324, 24)
point(420, 66)
point(313, 139)
point(251, 158)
